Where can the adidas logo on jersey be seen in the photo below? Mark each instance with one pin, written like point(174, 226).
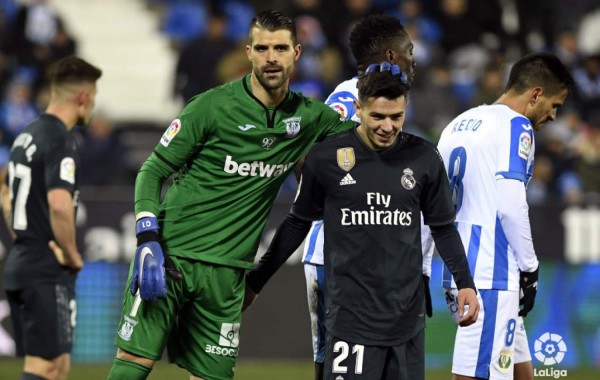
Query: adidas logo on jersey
point(347, 180)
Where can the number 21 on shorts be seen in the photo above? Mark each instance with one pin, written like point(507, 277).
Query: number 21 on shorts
point(343, 350)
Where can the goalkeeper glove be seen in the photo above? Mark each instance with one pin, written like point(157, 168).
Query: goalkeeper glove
point(528, 282)
point(148, 274)
point(428, 305)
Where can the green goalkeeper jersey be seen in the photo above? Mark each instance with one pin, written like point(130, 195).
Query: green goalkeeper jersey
point(230, 154)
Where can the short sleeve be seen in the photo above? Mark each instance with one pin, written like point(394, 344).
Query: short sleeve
point(332, 123)
point(60, 166)
point(343, 103)
point(515, 150)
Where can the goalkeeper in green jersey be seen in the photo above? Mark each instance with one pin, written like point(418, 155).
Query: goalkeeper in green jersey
point(230, 150)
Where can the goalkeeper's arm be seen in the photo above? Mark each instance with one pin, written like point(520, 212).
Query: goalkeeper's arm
point(148, 184)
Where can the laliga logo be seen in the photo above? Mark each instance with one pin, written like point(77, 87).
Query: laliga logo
point(550, 349)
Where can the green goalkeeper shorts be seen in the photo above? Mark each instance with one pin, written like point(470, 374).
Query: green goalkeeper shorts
point(198, 322)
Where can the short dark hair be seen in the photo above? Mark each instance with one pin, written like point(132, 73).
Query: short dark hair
point(539, 70)
point(72, 70)
point(374, 34)
point(382, 80)
point(273, 20)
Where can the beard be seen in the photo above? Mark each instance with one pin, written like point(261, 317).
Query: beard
point(274, 83)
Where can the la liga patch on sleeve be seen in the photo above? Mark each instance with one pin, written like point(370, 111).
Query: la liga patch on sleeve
point(170, 133)
point(67, 170)
point(524, 145)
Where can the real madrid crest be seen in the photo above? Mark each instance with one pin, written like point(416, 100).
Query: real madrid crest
point(346, 158)
point(292, 126)
point(408, 181)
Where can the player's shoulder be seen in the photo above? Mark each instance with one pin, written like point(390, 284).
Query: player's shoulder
point(492, 112)
point(47, 128)
point(417, 141)
point(223, 91)
point(345, 91)
point(334, 142)
point(342, 98)
point(308, 105)
point(420, 145)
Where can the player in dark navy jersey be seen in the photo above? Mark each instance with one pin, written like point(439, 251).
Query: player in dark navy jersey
point(39, 200)
point(370, 185)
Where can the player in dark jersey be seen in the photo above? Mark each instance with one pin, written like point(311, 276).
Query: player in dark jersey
point(375, 38)
point(369, 185)
point(231, 148)
point(39, 200)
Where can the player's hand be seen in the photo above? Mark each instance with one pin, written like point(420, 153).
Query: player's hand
point(428, 305)
point(528, 282)
point(249, 297)
point(75, 264)
point(149, 272)
point(148, 275)
point(468, 307)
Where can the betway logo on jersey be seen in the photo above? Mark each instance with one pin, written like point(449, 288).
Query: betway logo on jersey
point(376, 217)
point(255, 168)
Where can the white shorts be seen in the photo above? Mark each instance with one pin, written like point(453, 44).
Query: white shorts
point(490, 347)
point(315, 289)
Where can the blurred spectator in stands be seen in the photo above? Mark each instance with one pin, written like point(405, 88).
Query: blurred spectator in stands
point(312, 8)
point(432, 104)
point(587, 88)
point(410, 12)
point(319, 70)
point(589, 30)
point(538, 189)
point(103, 158)
point(559, 141)
point(16, 109)
point(62, 45)
point(198, 59)
point(567, 49)
point(183, 21)
point(470, 30)
point(344, 15)
point(469, 22)
point(5, 70)
point(536, 24)
point(30, 35)
point(234, 64)
point(8, 10)
point(490, 85)
point(589, 163)
point(239, 14)
point(35, 39)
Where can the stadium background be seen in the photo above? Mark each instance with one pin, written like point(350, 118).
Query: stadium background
point(133, 42)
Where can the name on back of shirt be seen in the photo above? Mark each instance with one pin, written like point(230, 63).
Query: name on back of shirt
point(466, 125)
point(25, 140)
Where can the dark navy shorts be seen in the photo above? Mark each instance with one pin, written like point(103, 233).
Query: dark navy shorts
point(43, 318)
